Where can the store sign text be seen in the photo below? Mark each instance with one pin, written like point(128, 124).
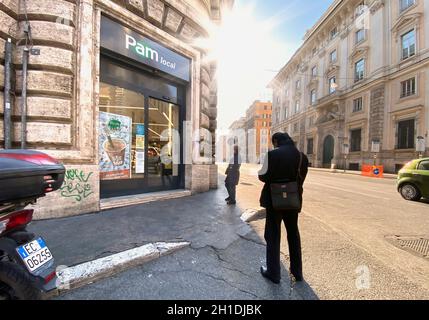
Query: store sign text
point(147, 52)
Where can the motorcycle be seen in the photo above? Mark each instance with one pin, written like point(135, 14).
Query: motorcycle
point(27, 266)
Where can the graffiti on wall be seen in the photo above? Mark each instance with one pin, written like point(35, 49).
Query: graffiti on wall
point(76, 185)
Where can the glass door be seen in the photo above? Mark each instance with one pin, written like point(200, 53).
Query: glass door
point(163, 145)
point(121, 138)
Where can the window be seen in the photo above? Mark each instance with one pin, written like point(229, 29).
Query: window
point(333, 56)
point(314, 71)
point(408, 41)
point(297, 106)
point(310, 144)
point(360, 35)
point(311, 121)
point(298, 84)
point(357, 104)
point(355, 141)
point(424, 165)
point(408, 87)
point(406, 134)
point(313, 97)
point(287, 93)
point(286, 114)
point(334, 33)
point(405, 4)
point(332, 85)
point(359, 70)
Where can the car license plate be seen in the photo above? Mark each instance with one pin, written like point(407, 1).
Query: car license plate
point(35, 254)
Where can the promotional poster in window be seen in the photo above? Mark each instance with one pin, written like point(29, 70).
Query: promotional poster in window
point(115, 146)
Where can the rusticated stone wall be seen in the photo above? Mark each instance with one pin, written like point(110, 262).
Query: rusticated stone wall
point(50, 84)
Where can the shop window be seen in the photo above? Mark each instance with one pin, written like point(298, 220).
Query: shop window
point(121, 142)
point(406, 130)
point(355, 140)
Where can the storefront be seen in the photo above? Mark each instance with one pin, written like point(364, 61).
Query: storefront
point(120, 94)
point(141, 113)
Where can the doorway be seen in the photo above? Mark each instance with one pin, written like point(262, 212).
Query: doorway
point(140, 131)
point(328, 150)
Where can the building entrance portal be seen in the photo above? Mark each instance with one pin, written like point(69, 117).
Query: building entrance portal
point(328, 151)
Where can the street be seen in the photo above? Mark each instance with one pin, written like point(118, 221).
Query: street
point(351, 220)
point(348, 229)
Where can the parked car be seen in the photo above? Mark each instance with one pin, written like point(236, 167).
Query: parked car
point(413, 180)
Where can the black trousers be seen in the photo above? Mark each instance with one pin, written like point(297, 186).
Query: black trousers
point(231, 188)
point(273, 235)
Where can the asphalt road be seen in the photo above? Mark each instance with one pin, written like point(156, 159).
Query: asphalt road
point(346, 226)
point(350, 225)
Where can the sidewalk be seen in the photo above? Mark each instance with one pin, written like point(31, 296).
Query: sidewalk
point(224, 251)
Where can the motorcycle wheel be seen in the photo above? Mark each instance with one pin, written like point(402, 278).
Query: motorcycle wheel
point(15, 283)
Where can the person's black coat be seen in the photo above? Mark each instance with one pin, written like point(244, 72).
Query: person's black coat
point(233, 171)
point(281, 165)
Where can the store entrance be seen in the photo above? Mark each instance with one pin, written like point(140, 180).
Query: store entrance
point(140, 126)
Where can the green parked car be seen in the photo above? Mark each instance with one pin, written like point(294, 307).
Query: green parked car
point(413, 180)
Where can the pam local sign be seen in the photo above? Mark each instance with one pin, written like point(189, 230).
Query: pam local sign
point(124, 41)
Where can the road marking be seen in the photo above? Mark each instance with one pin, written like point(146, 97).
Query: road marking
point(349, 191)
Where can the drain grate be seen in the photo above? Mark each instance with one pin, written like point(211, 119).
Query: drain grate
point(415, 245)
point(420, 246)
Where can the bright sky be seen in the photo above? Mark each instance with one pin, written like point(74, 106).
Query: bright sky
point(256, 39)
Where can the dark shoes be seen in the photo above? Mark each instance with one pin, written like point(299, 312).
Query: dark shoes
point(298, 278)
point(231, 203)
point(227, 199)
point(267, 275)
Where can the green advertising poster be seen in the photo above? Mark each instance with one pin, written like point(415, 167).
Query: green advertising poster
point(114, 146)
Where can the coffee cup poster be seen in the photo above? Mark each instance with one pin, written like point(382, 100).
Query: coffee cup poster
point(115, 146)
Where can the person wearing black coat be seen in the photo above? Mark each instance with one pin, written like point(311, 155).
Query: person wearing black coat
point(233, 177)
point(280, 165)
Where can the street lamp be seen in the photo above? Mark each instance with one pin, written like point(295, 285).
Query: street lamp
point(420, 146)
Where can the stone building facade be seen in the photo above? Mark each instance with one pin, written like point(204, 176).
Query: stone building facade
point(258, 130)
point(359, 85)
point(76, 78)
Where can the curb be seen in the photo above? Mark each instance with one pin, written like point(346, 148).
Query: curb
point(356, 173)
point(88, 272)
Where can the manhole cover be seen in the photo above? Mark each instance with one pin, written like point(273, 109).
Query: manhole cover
point(416, 245)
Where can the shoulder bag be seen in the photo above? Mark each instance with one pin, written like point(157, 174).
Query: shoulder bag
point(286, 196)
